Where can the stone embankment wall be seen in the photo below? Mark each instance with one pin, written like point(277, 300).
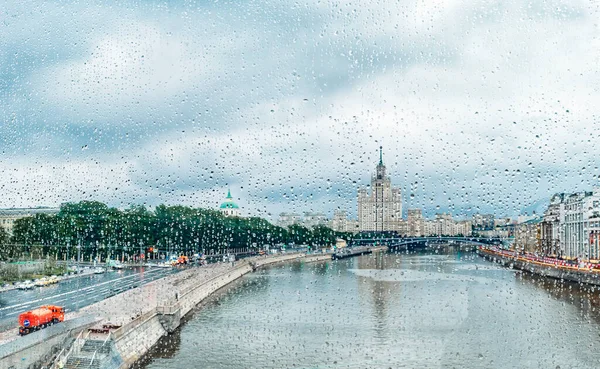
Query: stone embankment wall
point(571, 274)
point(135, 339)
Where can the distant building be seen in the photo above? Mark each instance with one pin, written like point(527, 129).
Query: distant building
point(482, 222)
point(581, 209)
point(463, 228)
point(445, 225)
point(552, 235)
point(570, 227)
point(9, 216)
point(340, 243)
point(498, 232)
point(308, 220)
point(502, 222)
point(353, 226)
point(594, 233)
point(312, 220)
point(416, 223)
point(229, 208)
point(341, 223)
point(430, 228)
point(402, 227)
point(381, 209)
point(528, 236)
point(287, 219)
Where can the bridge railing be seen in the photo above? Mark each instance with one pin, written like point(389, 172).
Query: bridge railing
point(407, 240)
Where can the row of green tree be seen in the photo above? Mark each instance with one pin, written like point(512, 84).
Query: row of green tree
point(102, 231)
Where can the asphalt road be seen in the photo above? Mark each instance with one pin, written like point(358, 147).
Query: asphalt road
point(76, 293)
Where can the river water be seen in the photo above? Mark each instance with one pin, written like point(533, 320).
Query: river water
point(444, 309)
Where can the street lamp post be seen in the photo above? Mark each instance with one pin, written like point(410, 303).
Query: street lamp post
point(78, 256)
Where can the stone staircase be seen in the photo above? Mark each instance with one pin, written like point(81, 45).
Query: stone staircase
point(96, 351)
point(78, 362)
point(92, 354)
point(95, 346)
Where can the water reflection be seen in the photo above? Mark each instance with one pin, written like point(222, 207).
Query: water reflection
point(380, 294)
point(437, 309)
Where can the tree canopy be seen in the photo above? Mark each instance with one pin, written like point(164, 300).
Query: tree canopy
point(102, 230)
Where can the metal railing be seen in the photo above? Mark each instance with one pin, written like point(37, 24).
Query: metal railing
point(93, 358)
point(62, 356)
point(101, 347)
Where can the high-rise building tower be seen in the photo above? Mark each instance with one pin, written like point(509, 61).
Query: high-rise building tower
point(380, 210)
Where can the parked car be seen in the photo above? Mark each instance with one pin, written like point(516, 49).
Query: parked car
point(42, 282)
point(26, 285)
point(53, 279)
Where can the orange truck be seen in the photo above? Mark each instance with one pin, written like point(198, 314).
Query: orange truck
point(40, 318)
point(183, 260)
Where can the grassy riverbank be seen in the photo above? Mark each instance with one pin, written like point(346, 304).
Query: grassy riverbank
point(26, 270)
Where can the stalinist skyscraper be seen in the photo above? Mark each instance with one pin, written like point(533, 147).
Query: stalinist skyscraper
point(380, 210)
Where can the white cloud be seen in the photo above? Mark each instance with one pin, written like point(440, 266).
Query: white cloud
point(51, 182)
point(475, 102)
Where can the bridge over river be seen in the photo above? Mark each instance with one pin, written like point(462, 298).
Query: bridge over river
point(419, 242)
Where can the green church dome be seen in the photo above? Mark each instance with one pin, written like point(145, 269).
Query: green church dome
point(229, 204)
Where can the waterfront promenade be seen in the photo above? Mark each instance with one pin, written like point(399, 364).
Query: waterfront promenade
point(583, 272)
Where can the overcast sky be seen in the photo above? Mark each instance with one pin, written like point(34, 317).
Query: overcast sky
point(479, 105)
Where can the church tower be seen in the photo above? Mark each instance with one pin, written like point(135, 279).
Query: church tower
point(229, 208)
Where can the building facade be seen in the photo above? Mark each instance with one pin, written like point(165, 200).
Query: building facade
point(463, 228)
point(445, 225)
point(380, 210)
point(341, 223)
point(552, 235)
point(570, 227)
point(9, 216)
point(416, 223)
point(581, 209)
point(483, 222)
point(308, 219)
point(312, 220)
point(287, 219)
point(528, 236)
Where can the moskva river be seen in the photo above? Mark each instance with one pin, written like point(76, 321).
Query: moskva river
point(436, 309)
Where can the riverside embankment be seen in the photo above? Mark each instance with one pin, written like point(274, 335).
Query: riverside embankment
point(547, 267)
point(132, 322)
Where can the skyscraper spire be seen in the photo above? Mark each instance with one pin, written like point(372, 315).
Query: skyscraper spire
point(380, 155)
